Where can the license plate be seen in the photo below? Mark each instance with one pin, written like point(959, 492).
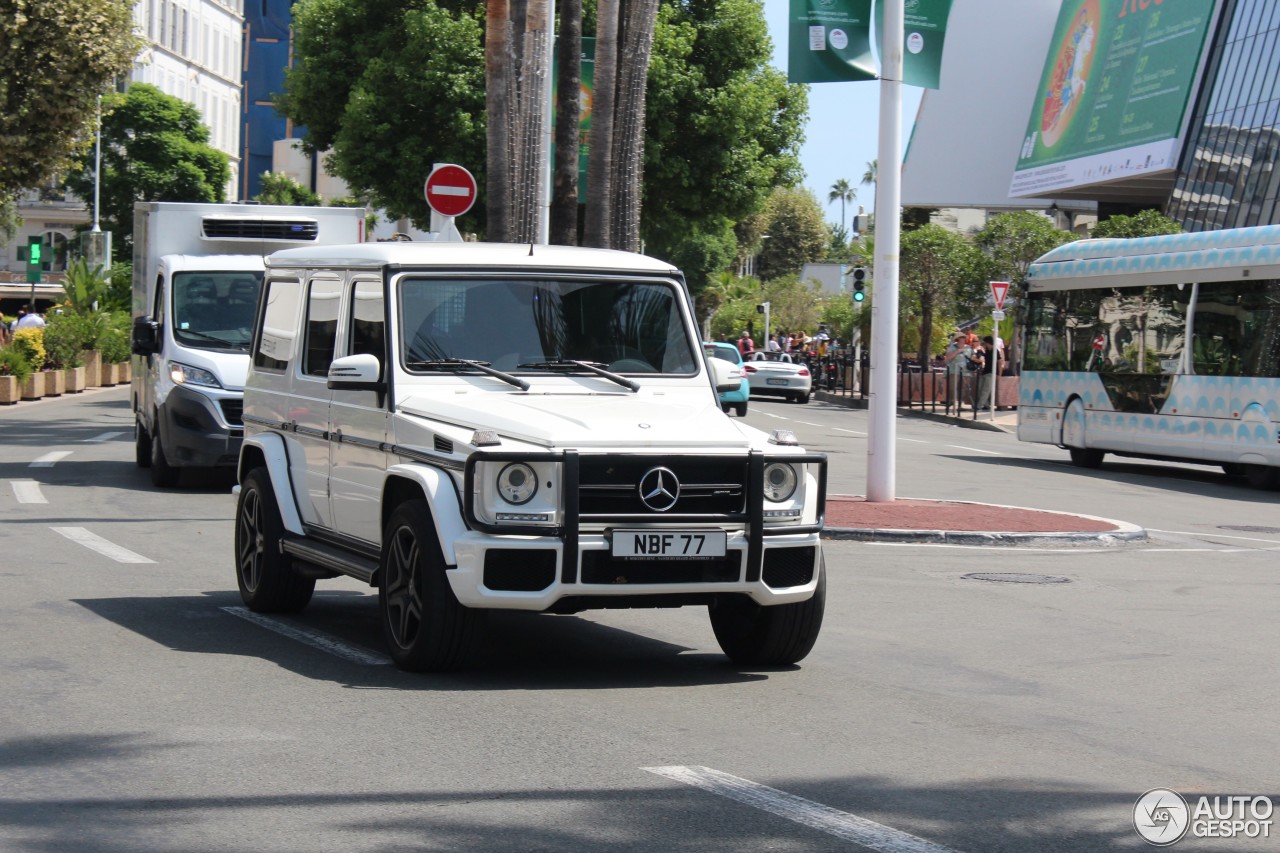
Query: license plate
point(669, 544)
point(775, 382)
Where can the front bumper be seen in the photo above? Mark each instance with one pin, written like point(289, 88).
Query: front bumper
point(200, 430)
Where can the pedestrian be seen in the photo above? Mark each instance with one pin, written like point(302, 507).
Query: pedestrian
point(746, 346)
point(986, 372)
point(773, 345)
point(29, 319)
point(956, 359)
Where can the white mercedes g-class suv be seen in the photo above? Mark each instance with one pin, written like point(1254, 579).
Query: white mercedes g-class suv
point(471, 426)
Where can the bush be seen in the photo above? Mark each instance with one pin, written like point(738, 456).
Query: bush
point(64, 338)
point(13, 362)
point(30, 343)
point(114, 343)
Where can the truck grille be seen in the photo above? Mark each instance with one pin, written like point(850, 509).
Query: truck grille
point(232, 228)
point(610, 486)
point(233, 411)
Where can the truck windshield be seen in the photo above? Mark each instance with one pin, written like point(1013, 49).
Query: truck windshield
point(521, 325)
point(215, 310)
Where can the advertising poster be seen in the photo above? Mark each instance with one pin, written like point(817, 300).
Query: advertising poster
point(587, 89)
point(1114, 92)
point(924, 36)
point(829, 41)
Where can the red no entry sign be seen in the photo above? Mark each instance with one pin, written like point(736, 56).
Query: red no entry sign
point(450, 190)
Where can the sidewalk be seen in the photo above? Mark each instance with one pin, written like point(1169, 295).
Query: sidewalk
point(961, 522)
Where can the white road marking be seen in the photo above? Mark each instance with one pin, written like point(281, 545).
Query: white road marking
point(1214, 535)
point(27, 492)
point(106, 436)
point(913, 440)
point(779, 417)
point(806, 423)
point(315, 639)
point(94, 542)
point(974, 449)
point(842, 825)
point(48, 460)
point(850, 431)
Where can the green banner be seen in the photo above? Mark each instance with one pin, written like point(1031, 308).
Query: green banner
point(587, 83)
point(830, 41)
point(1113, 94)
point(924, 34)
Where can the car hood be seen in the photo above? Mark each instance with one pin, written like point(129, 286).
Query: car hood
point(637, 420)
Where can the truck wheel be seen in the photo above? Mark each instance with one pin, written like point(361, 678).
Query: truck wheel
point(754, 635)
point(163, 475)
point(427, 630)
point(265, 574)
point(141, 445)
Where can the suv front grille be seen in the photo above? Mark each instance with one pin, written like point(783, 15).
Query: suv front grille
point(601, 567)
point(610, 486)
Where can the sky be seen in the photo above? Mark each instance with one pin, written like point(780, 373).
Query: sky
point(842, 135)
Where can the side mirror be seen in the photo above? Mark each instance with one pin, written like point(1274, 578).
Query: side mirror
point(725, 376)
point(146, 336)
point(356, 373)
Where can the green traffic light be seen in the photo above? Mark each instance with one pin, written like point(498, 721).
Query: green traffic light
point(858, 295)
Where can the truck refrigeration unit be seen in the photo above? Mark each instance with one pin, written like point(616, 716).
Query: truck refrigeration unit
point(197, 274)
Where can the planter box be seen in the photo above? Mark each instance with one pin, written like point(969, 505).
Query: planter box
point(9, 393)
point(74, 379)
point(33, 388)
point(92, 368)
point(108, 375)
point(55, 383)
point(126, 372)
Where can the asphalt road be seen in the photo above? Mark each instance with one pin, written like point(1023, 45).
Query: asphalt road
point(141, 709)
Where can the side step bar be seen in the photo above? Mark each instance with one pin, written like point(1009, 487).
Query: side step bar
point(331, 558)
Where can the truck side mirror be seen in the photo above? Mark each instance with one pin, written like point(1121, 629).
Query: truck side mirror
point(725, 376)
point(358, 372)
point(146, 336)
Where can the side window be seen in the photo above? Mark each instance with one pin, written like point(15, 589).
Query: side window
point(279, 325)
point(158, 312)
point(368, 321)
point(323, 297)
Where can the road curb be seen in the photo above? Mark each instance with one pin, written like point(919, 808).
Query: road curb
point(1124, 533)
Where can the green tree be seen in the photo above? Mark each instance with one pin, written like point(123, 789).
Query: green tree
point(392, 88)
point(279, 188)
point(939, 271)
point(797, 233)
point(154, 148)
point(841, 192)
point(1014, 240)
point(723, 128)
point(10, 220)
point(1147, 223)
point(58, 57)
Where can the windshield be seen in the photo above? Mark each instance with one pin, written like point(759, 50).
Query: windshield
point(516, 325)
point(215, 310)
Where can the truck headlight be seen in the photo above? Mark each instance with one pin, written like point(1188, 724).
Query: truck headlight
point(780, 482)
point(517, 484)
point(185, 374)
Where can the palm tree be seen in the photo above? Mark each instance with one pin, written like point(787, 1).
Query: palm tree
point(870, 176)
point(841, 192)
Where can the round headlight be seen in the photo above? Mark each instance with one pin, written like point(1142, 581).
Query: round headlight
point(517, 483)
point(779, 482)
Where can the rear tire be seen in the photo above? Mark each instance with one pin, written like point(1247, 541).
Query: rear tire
point(1086, 457)
point(163, 475)
point(741, 409)
point(1262, 476)
point(141, 445)
point(780, 635)
point(266, 577)
point(425, 627)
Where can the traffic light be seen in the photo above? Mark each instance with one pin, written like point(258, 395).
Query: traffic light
point(35, 252)
point(859, 284)
point(760, 308)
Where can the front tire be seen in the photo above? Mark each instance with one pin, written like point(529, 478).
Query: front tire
point(425, 627)
point(780, 635)
point(741, 409)
point(163, 475)
point(265, 574)
point(1073, 437)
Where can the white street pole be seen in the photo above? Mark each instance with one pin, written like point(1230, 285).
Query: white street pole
point(545, 181)
point(97, 168)
point(882, 438)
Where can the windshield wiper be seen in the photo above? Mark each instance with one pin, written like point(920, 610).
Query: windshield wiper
point(215, 338)
point(589, 366)
point(482, 366)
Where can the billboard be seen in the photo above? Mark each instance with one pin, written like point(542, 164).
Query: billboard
point(1114, 93)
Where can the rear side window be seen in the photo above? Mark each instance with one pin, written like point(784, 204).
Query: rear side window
point(368, 321)
point(279, 325)
point(323, 297)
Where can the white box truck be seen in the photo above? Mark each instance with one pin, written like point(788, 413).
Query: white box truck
point(197, 274)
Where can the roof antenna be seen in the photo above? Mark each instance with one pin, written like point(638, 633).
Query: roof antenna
point(531, 248)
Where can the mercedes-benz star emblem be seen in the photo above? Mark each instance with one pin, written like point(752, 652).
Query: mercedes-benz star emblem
point(659, 489)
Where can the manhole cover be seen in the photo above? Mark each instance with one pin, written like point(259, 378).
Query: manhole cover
point(1015, 577)
point(1249, 528)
